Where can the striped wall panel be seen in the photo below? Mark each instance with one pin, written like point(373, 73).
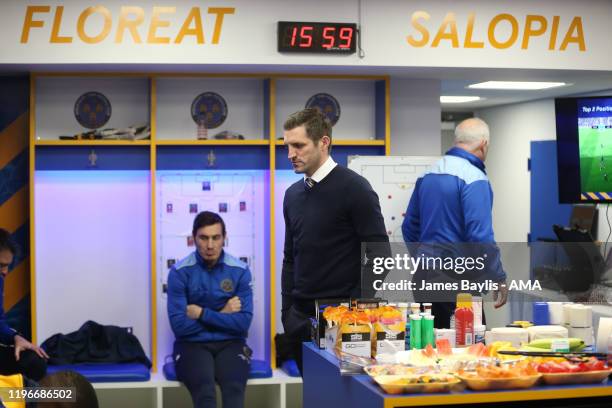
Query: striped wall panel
point(14, 199)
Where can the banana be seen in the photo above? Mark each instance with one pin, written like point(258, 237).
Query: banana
point(530, 348)
point(575, 344)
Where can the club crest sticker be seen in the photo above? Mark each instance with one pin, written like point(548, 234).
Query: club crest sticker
point(227, 285)
point(92, 110)
point(326, 104)
point(210, 108)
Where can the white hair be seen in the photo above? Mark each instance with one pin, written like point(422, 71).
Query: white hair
point(472, 132)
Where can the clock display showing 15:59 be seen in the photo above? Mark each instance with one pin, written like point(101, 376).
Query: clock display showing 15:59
point(319, 38)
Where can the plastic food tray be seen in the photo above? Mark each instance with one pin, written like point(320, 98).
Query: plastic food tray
point(512, 383)
point(576, 378)
point(393, 384)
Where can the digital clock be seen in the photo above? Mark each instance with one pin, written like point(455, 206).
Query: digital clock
point(320, 38)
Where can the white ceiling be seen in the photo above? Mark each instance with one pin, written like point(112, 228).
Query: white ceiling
point(578, 83)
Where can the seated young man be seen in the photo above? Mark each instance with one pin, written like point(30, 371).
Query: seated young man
point(17, 355)
point(210, 306)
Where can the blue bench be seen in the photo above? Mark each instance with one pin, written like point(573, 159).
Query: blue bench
point(259, 369)
point(106, 372)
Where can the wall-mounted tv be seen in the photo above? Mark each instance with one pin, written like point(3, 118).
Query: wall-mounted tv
point(584, 149)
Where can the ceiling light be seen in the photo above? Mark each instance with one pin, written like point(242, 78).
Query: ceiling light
point(517, 85)
point(458, 99)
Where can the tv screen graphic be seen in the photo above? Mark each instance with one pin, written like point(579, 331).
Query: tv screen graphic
point(584, 149)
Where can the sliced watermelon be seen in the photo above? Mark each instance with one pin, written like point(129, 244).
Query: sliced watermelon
point(429, 351)
point(475, 349)
point(443, 347)
point(478, 350)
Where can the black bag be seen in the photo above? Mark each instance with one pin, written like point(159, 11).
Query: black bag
point(95, 343)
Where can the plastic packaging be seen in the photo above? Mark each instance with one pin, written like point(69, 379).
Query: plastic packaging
point(541, 314)
point(477, 309)
point(448, 334)
point(560, 346)
point(555, 311)
point(479, 333)
point(427, 308)
point(403, 307)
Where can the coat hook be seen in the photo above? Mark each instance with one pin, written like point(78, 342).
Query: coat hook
point(93, 158)
point(211, 158)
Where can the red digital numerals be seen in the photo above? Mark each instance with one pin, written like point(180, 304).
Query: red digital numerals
point(331, 37)
point(305, 38)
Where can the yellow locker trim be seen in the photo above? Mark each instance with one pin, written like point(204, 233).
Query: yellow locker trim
point(387, 116)
point(92, 142)
point(195, 142)
point(32, 156)
point(153, 206)
point(272, 223)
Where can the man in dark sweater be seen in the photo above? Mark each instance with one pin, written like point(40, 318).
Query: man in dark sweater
point(328, 215)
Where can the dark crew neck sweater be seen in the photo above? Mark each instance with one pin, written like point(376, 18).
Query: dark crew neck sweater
point(324, 228)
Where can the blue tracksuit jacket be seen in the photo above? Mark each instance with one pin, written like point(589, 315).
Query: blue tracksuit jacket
point(191, 282)
point(452, 203)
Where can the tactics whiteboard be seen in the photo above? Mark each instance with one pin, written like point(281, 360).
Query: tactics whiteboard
point(393, 178)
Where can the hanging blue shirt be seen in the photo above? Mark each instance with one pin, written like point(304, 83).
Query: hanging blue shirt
point(191, 282)
point(452, 203)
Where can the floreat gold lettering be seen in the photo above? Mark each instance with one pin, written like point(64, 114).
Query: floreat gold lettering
point(156, 23)
point(108, 22)
point(29, 22)
point(130, 20)
point(220, 12)
point(197, 31)
point(129, 24)
point(57, 20)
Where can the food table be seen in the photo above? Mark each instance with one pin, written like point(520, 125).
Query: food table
point(323, 386)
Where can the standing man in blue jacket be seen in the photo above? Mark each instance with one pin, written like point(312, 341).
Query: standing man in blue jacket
point(210, 306)
point(452, 203)
point(17, 355)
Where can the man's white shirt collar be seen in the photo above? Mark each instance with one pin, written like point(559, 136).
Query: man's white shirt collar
point(324, 170)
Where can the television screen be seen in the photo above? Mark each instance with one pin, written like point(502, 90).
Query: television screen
point(584, 149)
